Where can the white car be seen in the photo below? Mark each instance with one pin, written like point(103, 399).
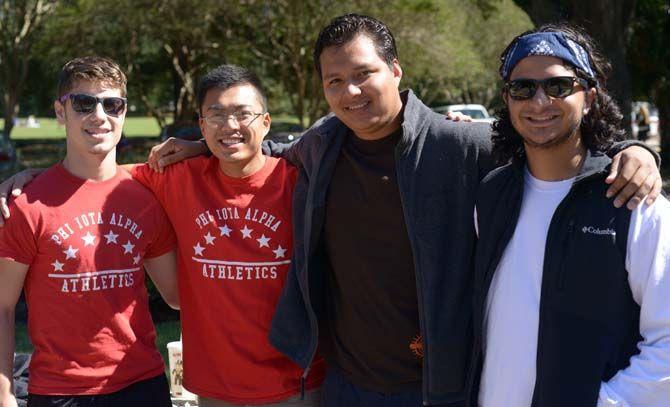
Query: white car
point(477, 112)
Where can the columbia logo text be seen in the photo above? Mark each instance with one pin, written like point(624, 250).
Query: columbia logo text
point(597, 231)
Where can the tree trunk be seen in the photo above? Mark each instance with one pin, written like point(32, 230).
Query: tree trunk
point(607, 21)
point(9, 101)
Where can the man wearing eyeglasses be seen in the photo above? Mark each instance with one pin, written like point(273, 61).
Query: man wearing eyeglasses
point(77, 242)
point(232, 214)
point(571, 304)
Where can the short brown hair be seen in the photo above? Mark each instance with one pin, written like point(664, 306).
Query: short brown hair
point(93, 69)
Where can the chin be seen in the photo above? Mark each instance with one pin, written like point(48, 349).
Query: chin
point(546, 142)
point(230, 158)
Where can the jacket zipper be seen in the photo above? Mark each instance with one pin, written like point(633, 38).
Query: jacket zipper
point(561, 270)
point(419, 290)
point(561, 207)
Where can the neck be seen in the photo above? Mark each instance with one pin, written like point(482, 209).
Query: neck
point(94, 167)
point(558, 162)
point(237, 170)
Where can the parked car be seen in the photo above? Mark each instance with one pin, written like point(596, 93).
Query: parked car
point(282, 132)
point(477, 112)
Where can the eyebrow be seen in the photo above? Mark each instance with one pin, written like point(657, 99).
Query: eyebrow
point(217, 106)
point(356, 68)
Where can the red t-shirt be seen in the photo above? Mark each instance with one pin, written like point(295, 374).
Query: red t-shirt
point(235, 242)
point(88, 316)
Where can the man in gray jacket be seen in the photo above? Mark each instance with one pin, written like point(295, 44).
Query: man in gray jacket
point(381, 273)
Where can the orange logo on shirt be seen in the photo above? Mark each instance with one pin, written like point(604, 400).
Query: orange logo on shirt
point(416, 346)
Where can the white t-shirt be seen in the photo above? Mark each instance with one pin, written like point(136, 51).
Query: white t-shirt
point(513, 304)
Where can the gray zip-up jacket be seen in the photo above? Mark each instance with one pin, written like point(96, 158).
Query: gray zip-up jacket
point(439, 164)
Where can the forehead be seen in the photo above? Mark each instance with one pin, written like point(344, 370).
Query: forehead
point(360, 51)
point(94, 88)
point(540, 67)
point(236, 96)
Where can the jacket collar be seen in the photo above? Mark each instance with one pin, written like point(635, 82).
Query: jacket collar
point(595, 163)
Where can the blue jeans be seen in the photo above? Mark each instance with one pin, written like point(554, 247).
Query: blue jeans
point(337, 391)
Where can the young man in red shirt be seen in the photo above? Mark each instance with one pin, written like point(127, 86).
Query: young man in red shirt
point(77, 242)
point(232, 214)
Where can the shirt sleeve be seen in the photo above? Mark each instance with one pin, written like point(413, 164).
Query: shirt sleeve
point(164, 239)
point(646, 381)
point(151, 179)
point(17, 238)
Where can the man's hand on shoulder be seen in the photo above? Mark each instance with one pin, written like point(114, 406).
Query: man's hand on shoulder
point(458, 117)
point(172, 151)
point(14, 186)
point(634, 176)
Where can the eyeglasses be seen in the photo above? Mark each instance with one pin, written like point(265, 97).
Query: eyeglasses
point(556, 87)
point(241, 117)
point(85, 104)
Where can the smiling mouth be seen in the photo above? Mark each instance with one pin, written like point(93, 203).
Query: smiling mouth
point(358, 106)
point(231, 141)
point(97, 133)
point(541, 119)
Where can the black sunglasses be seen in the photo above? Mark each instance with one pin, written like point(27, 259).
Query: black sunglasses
point(82, 103)
point(556, 87)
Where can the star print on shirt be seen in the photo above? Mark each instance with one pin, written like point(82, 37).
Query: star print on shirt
point(209, 239)
point(279, 252)
point(137, 259)
point(246, 232)
point(111, 237)
point(89, 239)
point(58, 266)
point(198, 249)
point(263, 241)
point(128, 247)
point(70, 253)
point(225, 230)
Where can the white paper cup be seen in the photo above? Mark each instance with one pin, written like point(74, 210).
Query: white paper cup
point(177, 371)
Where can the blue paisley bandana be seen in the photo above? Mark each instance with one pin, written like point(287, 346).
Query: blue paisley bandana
point(554, 44)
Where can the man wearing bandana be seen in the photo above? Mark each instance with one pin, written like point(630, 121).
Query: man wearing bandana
point(570, 292)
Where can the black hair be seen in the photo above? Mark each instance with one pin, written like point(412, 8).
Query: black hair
point(600, 127)
point(225, 77)
point(345, 28)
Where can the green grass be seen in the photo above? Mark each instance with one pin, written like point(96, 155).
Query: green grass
point(166, 331)
point(50, 129)
point(134, 127)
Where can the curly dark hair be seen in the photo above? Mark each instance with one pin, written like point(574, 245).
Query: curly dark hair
point(601, 126)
